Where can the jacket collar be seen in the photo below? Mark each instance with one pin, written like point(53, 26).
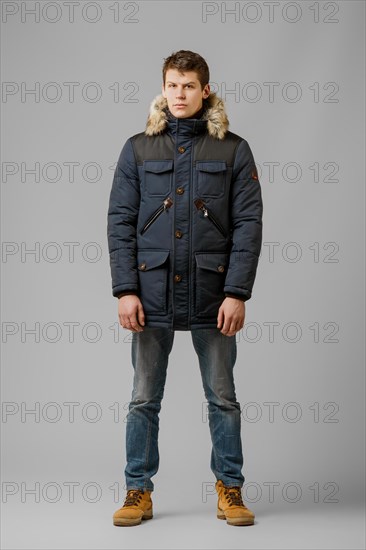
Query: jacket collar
point(214, 117)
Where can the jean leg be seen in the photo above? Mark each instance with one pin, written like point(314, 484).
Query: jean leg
point(149, 352)
point(217, 355)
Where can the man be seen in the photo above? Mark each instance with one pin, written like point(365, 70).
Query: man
point(184, 236)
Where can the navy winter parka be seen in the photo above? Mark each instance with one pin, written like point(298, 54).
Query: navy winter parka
point(185, 217)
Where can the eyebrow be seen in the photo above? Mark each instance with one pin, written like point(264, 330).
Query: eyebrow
point(171, 82)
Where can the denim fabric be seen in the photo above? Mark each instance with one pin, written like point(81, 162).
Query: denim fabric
point(217, 355)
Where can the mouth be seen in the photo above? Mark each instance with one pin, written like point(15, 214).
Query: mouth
point(180, 105)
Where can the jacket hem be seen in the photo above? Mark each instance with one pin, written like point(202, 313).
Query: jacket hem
point(167, 324)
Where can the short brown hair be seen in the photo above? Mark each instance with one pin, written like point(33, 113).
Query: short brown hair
point(185, 60)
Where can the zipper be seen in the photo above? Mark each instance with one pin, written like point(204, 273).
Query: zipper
point(200, 205)
point(166, 204)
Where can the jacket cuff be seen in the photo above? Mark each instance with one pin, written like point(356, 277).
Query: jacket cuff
point(230, 295)
point(127, 292)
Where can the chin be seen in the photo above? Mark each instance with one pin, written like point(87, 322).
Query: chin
point(183, 114)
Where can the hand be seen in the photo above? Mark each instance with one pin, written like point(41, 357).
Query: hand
point(231, 315)
point(131, 313)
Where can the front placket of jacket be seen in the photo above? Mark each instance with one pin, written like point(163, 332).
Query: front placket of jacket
point(182, 224)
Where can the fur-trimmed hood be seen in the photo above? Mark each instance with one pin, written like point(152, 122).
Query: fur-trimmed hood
point(214, 113)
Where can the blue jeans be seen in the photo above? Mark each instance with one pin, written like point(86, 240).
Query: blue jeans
point(217, 355)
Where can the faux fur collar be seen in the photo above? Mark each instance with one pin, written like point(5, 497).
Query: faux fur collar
point(215, 114)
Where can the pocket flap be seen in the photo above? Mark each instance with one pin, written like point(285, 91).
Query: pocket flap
point(148, 259)
point(211, 166)
point(214, 261)
point(158, 166)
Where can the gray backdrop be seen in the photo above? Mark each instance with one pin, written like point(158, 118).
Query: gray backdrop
point(78, 79)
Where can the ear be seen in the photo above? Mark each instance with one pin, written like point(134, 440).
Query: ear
point(163, 90)
point(206, 91)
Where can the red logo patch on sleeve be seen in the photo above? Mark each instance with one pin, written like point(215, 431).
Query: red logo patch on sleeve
point(255, 174)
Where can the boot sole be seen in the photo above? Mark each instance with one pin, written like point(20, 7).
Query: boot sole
point(129, 522)
point(235, 521)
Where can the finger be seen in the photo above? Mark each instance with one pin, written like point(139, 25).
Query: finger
point(141, 315)
point(134, 324)
point(129, 327)
point(220, 317)
point(226, 327)
point(124, 321)
point(233, 328)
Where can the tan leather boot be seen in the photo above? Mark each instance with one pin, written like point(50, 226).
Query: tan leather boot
point(230, 505)
point(137, 506)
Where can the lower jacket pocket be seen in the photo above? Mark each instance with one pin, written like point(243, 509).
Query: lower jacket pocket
point(211, 269)
point(153, 269)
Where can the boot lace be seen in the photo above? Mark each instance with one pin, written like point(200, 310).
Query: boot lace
point(133, 497)
point(233, 496)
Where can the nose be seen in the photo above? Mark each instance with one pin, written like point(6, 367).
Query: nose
point(180, 94)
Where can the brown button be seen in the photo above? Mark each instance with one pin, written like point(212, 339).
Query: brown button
point(178, 234)
point(221, 268)
point(180, 190)
point(143, 266)
point(177, 278)
point(181, 149)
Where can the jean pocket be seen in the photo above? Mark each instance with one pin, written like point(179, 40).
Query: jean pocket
point(158, 177)
point(211, 178)
point(211, 269)
point(153, 269)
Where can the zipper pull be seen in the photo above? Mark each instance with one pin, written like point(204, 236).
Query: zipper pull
point(167, 203)
point(201, 206)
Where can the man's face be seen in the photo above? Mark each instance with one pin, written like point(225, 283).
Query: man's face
point(183, 93)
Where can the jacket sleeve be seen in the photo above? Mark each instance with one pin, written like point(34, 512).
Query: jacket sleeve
point(246, 222)
point(124, 203)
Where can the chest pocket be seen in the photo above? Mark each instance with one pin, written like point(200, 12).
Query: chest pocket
point(158, 177)
point(211, 178)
